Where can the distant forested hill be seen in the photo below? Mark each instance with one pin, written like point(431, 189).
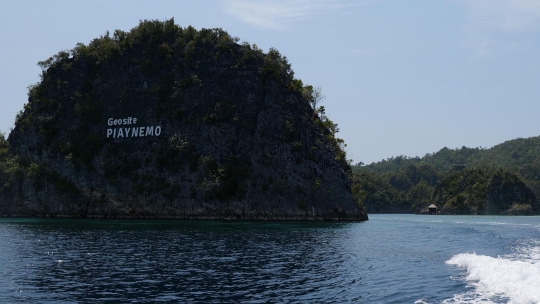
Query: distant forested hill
point(504, 179)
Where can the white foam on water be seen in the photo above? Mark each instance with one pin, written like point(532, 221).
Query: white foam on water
point(513, 278)
point(529, 253)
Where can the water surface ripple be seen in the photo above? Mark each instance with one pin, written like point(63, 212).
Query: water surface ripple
point(389, 259)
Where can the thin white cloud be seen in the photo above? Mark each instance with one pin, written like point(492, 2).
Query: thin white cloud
point(496, 25)
point(506, 15)
point(279, 14)
point(363, 51)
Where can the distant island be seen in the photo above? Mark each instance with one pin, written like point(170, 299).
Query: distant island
point(503, 180)
point(170, 122)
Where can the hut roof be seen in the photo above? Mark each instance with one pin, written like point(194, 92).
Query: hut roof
point(432, 206)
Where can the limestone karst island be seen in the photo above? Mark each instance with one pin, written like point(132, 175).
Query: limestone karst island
point(171, 122)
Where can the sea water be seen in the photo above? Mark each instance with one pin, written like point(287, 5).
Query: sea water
point(388, 259)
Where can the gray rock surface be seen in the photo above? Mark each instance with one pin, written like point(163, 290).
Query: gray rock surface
point(218, 136)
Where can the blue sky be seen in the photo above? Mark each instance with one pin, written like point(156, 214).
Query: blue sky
point(400, 77)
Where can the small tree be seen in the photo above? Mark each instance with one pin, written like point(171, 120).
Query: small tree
point(314, 95)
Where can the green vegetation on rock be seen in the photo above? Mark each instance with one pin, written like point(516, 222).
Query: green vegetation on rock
point(172, 122)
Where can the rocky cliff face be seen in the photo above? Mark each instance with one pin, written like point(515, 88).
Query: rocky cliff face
point(485, 191)
point(165, 122)
point(508, 194)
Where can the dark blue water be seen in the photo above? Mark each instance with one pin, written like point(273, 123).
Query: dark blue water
point(388, 259)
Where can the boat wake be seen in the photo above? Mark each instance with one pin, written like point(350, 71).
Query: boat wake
point(513, 278)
